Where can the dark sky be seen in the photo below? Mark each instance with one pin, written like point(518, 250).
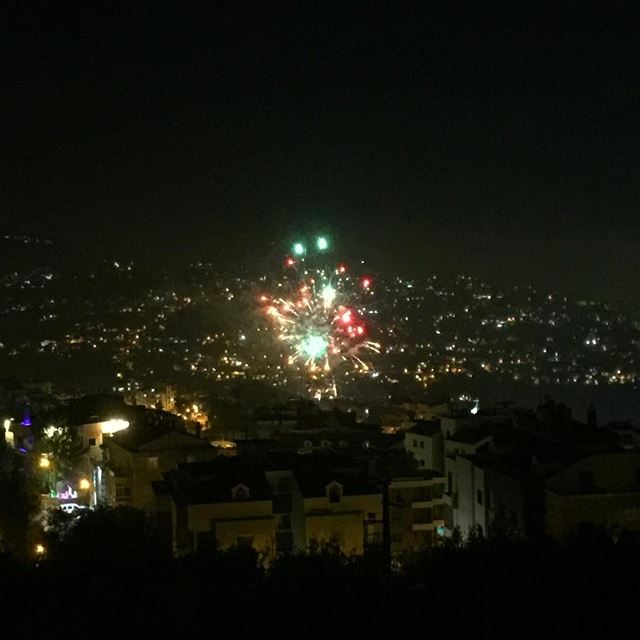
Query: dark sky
point(429, 137)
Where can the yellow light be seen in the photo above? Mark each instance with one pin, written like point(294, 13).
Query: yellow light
point(84, 484)
point(40, 549)
point(112, 426)
point(50, 431)
point(44, 462)
point(195, 408)
point(7, 424)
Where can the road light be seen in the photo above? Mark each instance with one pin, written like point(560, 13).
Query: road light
point(113, 426)
point(39, 549)
point(84, 484)
point(44, 462)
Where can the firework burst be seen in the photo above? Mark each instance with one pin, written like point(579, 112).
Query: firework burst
point(320, 313)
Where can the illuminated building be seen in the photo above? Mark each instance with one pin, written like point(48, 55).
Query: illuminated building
point(344, 511)
point(236, 502)
point(599, 492)
point(132, 464)
point(425, 443)
point(417, 512)
point(160, 396)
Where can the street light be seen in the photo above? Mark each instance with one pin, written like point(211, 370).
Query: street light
point(112, 426)
point(44, 462)
point(84, 484)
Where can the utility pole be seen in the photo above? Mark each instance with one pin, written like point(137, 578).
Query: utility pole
point(386, 522)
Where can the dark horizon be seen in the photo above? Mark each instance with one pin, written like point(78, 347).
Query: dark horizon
point(497, 143)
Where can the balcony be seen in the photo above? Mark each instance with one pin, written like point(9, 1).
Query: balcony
point(428, 526)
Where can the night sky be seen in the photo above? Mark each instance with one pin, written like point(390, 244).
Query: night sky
point(425, 138)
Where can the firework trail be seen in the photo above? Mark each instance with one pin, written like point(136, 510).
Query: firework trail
point(319, 313)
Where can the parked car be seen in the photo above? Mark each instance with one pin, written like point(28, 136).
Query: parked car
point(72, 507)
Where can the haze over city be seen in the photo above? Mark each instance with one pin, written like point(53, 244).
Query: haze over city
point(497, 142)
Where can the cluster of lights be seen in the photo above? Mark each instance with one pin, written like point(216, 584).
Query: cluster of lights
point(318, 317)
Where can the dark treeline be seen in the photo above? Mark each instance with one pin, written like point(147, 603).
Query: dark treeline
point(108, 573)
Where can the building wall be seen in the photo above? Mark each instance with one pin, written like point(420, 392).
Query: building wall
point(612, 473)
point(288, 508)
point(600, 490)
point(416, 513)
point(449, 425)
point(229, 521)
point(259, 534)
point(614, 513)
point(453, 448)
point(91, 436)
point(344, 528)
point(468, 496)
point(505, 502)
point(353, 522)
point(428, 451)
point(437, 443)
point(140, 469)
point(415, 447)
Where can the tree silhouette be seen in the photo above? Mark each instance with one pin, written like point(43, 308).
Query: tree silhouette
point(19, 501)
